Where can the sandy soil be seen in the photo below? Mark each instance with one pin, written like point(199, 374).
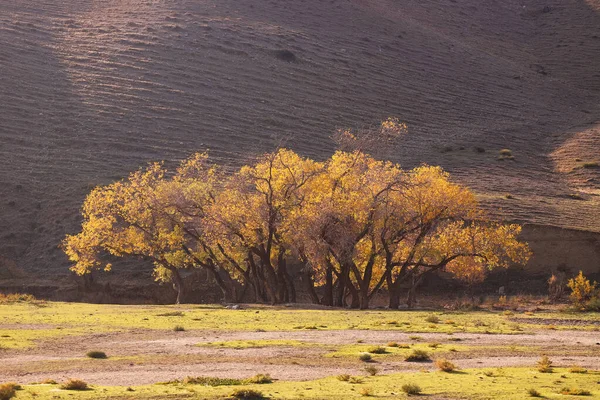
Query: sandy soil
point(168, 356)
point(90, 90)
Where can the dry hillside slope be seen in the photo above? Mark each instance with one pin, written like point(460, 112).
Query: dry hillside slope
point(92, 89)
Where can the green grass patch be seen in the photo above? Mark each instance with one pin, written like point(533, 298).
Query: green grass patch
point(506, 384)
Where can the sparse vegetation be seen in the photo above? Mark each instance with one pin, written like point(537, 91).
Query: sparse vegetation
point(343, 377)
point(74, 384)
point(209, 381)
point(418, 355)
point(365, 357)
point(544, 365)
point(96, 354)
point(584, 293)
point(573, 391)
point(247, 394)
point(591, 164)
point(533, 393)
point(433, 319)
point(178, 328)
point(366, 391)
point(371, 370)
point(444, 365)
point(8, 390)
point(377, 350)
point(260, 379)
point(411, 389)
point(577, 370)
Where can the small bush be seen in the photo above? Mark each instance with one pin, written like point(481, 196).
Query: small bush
point(574, 392)
point(355, 380)
point(171, 314)
point(488, 373)
point(575, 369)
point(247, 394)
point(260, 379)
point(366, 392)
point(434, 345)
point(505, 152)
point(96, 354)
point(411, 389)
point(534, 393)
point(544, 365)
point(210, 381)
point(418, 356)
point(590, 165)
point(415, 338)
point(582, 289)
point(178, 328)
point(392, 344)
point(377, 350)
point(17, 298)
point(74, 384)
point(343, 377)
point(444, 365)
point(365, 357)
point(433, 319)
point(48, 382)
point(372, 370)
point(7, 391)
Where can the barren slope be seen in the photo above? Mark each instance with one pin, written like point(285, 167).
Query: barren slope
point(92, 89)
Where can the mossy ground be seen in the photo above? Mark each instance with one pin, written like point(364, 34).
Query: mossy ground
point(61, 319)
point(501, 384)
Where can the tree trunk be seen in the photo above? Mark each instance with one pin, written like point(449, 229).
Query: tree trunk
point(177, 285)
point(327, 299)
point(310, 287)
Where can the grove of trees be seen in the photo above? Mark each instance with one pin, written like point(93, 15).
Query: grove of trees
point(343, 229)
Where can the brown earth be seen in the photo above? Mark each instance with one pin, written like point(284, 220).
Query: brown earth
point(146, 357)
point(92, 89)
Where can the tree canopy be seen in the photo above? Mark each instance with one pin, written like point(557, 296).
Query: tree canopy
point(346, 227)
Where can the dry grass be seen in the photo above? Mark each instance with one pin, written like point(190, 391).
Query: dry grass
point(444, 365)
point(74, 384)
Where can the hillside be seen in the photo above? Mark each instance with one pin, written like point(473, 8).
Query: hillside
point(90, 90)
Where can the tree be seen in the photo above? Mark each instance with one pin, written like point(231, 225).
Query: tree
point(249, 221)
point(131, 218)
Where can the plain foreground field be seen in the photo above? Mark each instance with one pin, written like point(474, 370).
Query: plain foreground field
point(206, 352)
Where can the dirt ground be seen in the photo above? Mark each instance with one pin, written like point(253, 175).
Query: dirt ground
point(146, 357)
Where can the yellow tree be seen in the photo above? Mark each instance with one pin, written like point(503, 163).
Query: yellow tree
point(337, 223)
point(249, 221)
point(129, 218)
point(433, 223)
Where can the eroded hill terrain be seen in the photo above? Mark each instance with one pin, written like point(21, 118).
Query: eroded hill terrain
point(90, 90)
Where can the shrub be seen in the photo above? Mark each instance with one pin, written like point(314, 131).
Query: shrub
point(544, 365)
point(96, 354)
point(260, 379)
point(210, 381)
point(411, 389)
point(8, 390)
point(74, 384)
point(343, 377)
point(582, 289)
point(49, 382)
point(366, 392)
point(505, 152)
point(434, 319)
point(590, 165)
point(178, 328)
point(415, 338)
point(355, 380)
point(534, 393)
point(574, 392)
point(418, 356)
point(444, 365)
point(556, 286)
point(365, 357)
point(247, 394)
point(377, 350)
point(575, 369)
point(434, 345)
point(372, 370)
point(171, 314)
point(392, 344)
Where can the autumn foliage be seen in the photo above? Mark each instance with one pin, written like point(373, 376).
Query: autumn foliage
point(344, 228)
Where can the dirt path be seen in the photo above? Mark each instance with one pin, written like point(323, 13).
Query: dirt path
point(145, 357)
